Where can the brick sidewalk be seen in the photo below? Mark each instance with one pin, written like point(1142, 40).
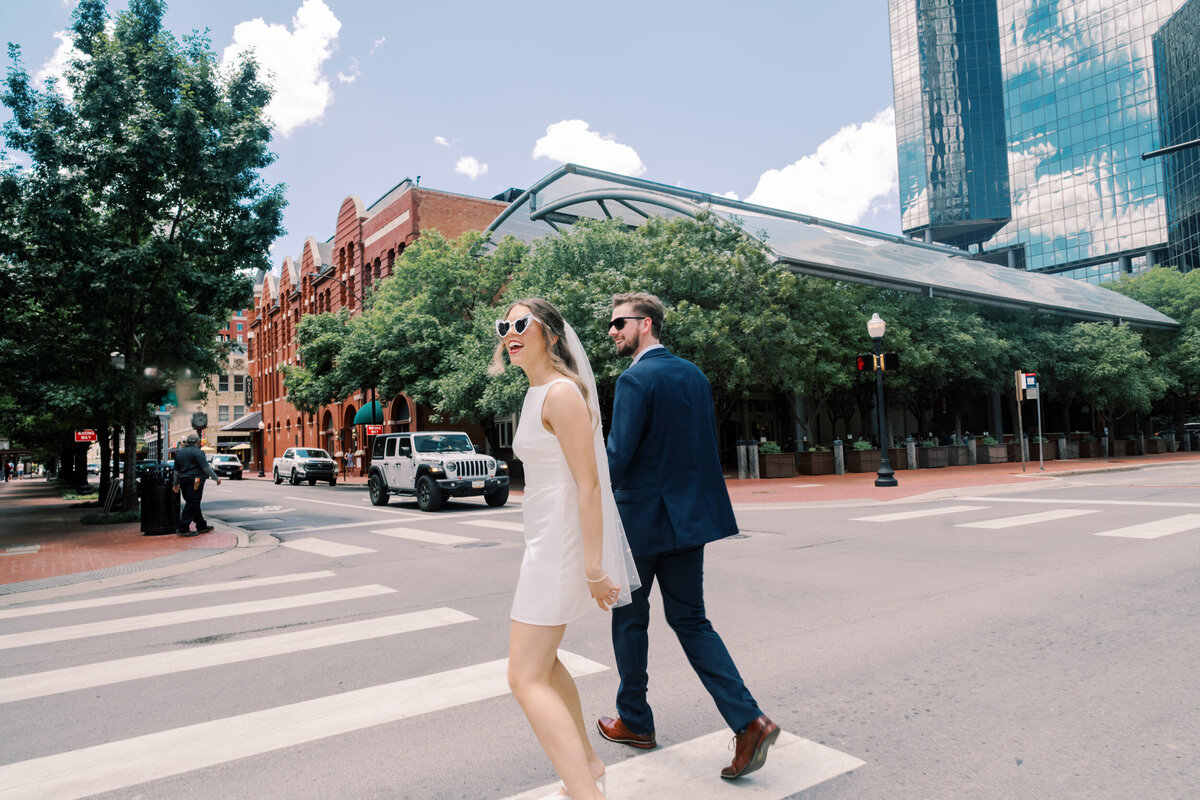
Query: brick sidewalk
point(41, 537)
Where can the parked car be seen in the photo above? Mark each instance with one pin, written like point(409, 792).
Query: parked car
point(310, 464)
point(226, 465)
point(434, 465)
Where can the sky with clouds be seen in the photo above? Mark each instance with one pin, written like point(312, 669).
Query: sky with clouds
point(786, 104)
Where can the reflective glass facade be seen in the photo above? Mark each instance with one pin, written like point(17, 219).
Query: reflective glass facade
point(1177, 66)
point(1077, 96)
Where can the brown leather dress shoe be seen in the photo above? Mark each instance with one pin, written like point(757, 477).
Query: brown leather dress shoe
point(751, 750)
point(615, 731)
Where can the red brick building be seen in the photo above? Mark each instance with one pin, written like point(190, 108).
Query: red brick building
point(329, 276)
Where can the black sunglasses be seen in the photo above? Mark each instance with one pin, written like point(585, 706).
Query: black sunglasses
point(619, 322)
point(519, 325)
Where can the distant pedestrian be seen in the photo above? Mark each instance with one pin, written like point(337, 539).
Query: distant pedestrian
point(191, 469)
point(8, 471)
point(20, 470)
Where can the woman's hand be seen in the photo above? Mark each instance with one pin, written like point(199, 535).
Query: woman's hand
point(604, 591)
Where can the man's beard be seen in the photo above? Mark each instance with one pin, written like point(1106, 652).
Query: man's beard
point(627, 347)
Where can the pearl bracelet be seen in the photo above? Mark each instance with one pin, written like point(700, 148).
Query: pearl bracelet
point(601, 579)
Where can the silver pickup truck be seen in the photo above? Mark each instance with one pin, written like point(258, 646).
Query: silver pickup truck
point(310, 464)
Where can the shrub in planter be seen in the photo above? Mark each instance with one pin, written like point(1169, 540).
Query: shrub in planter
point(931, 455)
point(989, 451)
point(862, 457)
point(774, 464)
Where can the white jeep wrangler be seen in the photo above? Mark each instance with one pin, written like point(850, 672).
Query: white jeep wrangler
point(434, 465)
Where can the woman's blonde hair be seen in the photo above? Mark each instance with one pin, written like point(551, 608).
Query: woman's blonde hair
point(554, 330)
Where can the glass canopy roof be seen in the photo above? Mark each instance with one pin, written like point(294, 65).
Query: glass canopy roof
point(816, 247)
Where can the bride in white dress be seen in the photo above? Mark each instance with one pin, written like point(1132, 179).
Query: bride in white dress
point(576, 554)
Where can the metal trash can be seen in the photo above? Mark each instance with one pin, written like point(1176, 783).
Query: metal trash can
point(159, 503)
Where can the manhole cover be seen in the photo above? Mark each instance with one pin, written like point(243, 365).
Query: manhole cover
point(477, 544)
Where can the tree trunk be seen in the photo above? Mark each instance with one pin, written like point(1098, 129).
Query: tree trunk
point(129, 495)
point(105, 459)
point(66, 463)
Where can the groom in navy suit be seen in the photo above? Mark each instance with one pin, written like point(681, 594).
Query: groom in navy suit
point(667, 481)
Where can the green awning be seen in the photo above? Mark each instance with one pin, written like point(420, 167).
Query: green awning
point(370, 414)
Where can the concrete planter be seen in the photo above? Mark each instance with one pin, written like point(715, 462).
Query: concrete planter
point(959, 455)
point(1049, 451)
point(1119, 447)
point(1156, 446)
point(1090, 449)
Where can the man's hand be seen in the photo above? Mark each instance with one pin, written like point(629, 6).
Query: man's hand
point(175, 488)
point(218, 481)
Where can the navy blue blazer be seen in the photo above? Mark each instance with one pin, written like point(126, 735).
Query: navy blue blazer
point(662, 453)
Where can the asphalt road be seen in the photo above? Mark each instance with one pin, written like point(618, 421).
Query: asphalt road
point(1034, 643)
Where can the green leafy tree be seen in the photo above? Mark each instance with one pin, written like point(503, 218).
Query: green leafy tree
point(1106, 366)
point(1176, 294)
point(142, 212)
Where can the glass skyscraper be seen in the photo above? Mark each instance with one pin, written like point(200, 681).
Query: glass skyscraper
point(1020, 126)
point(1177, 67)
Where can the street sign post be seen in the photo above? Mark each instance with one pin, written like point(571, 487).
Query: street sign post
point(374, 430)
point(85, 436)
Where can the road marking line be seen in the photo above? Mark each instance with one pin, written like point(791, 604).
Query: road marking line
point(126, 624)
point(324, 547)
point(1153, 530)
point(116, 765)
point(927, 512)
point(494, 523)
point(805, 485)
point(424, 536)
point(383, 509)
point(1153, 503)
point(1028, 519)
point(86, 676)
point(686, 771)
point(162, 594)
point(21, 550)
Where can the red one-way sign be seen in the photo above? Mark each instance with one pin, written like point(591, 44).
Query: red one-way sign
point(85, 436)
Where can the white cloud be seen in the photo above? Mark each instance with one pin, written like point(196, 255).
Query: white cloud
point(571, 140)
point(292, 60)
point(352, 75)
point(56, 65)
point(851, 173)
point(441, 140)
point(730, 195)
point(470, 166)
point(378, 43)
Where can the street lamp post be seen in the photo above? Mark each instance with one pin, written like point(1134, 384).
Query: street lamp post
point(262, 448)
point(884, 476)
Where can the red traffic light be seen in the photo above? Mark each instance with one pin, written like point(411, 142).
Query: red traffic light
point(864, 362)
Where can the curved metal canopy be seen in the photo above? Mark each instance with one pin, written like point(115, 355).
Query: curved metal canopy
point(817, 247)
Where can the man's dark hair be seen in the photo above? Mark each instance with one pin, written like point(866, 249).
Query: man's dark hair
point(646, 305)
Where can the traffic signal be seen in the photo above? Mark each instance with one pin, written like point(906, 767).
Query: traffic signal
point(891, 362)
point(864, 362)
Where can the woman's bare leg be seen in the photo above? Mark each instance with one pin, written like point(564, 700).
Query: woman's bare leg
point(533, 675)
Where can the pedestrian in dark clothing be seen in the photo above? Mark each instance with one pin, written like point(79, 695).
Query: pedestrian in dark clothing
point(191, 469)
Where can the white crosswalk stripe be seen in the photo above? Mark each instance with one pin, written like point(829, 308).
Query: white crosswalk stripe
point(69, 679)
point(1027, 519)
point(918, 514)
point(1156, 529)
point(117, 765)
point(688, 771)
point(495, 523)
point(432, 537)
point(161, 594)
point(126, 624)
point(324, 547)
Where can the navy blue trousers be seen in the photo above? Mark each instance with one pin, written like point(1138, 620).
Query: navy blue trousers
point(680, 576)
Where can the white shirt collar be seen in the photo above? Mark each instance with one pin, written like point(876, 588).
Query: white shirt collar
point(647, 350)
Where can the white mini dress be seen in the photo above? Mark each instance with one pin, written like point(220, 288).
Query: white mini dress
point(552, 588)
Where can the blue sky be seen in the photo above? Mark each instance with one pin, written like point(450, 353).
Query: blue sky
point(787, 104)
